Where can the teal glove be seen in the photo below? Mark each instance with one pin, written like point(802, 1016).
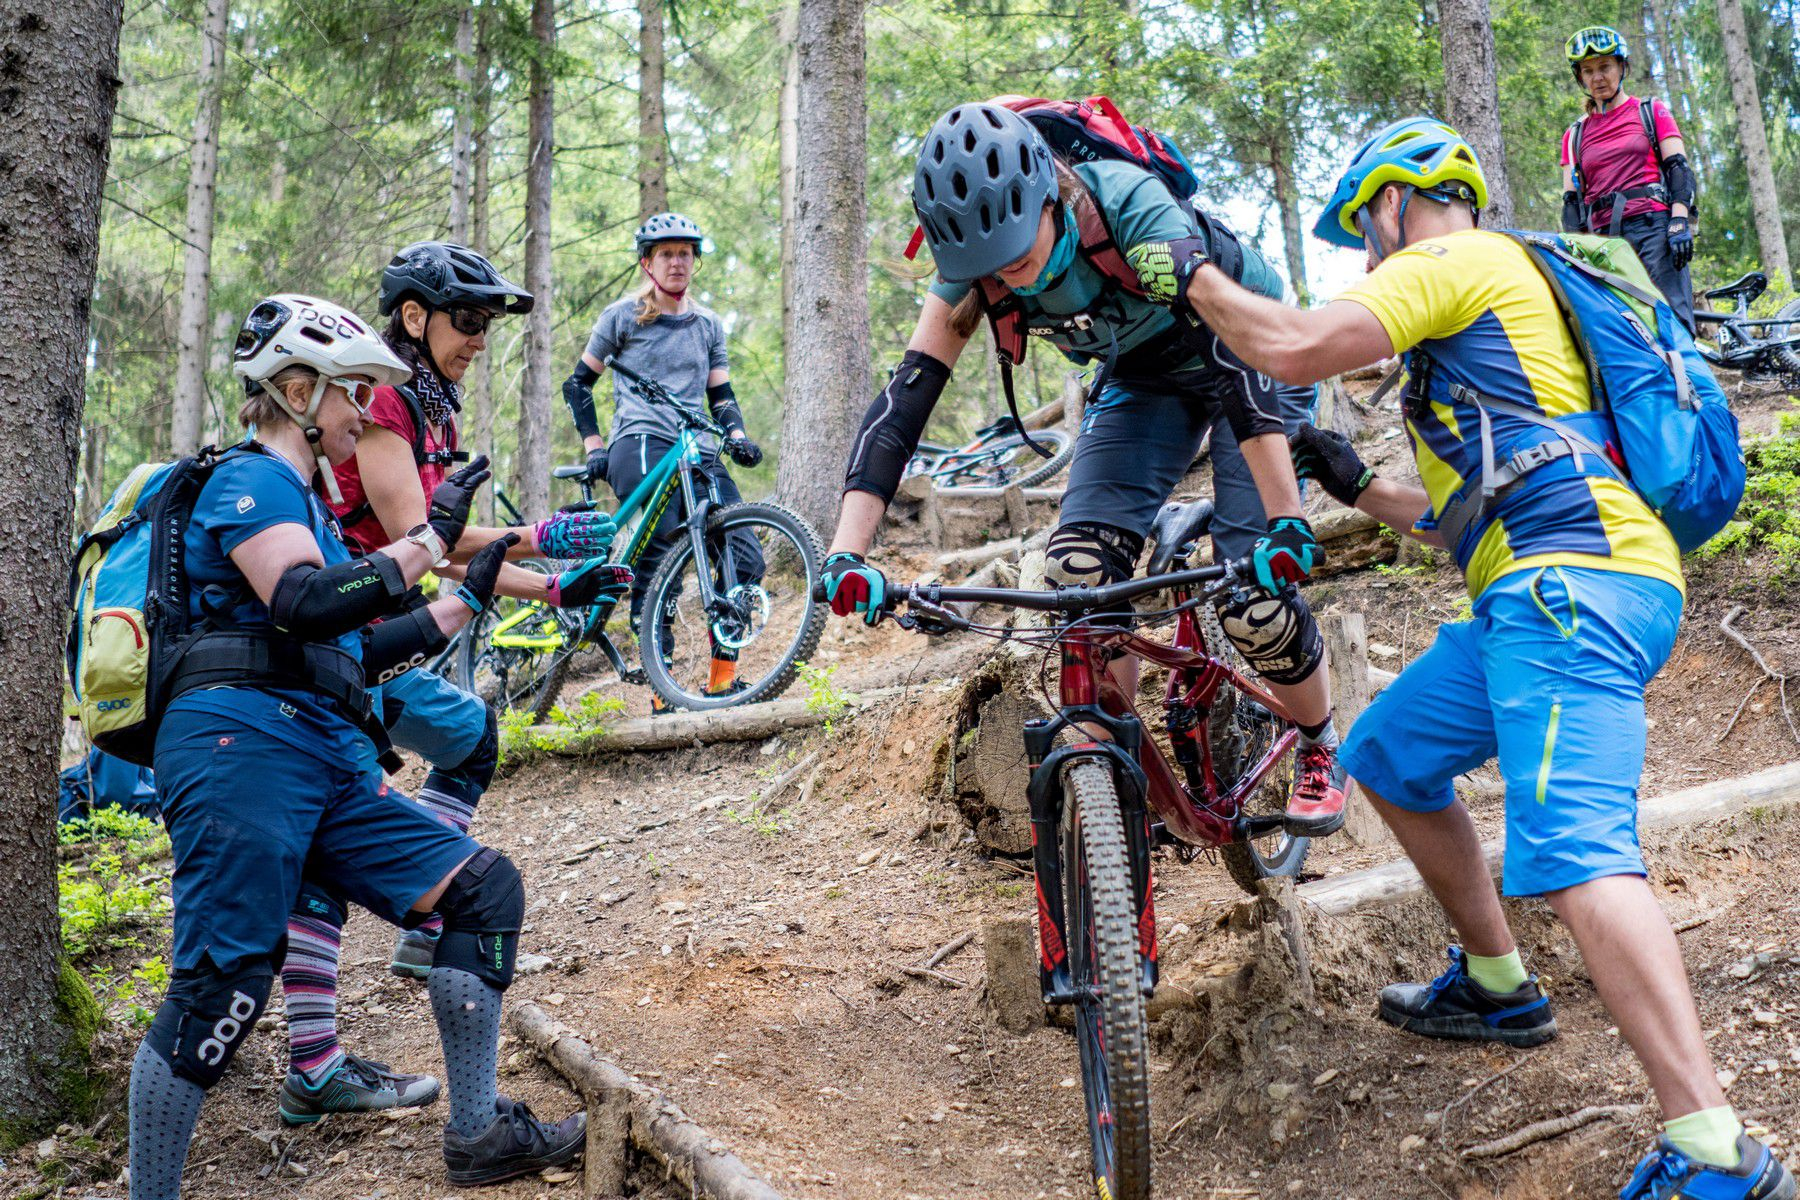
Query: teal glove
point(851, 585)
point(1288, 553)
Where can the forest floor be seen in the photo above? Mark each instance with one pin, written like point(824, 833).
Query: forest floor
point(746, 960)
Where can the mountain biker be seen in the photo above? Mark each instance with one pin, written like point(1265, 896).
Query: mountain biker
point(995, 203)
point(1577, 591)
point(662, 333)
point(261, 767)
point(439, 298)
point(1633, 180)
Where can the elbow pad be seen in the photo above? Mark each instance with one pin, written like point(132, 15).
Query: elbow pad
point(399, 644)
point(320, 603)
point(893, 425)
point(1571, 214)
point(578, 394)
point(723, 402)
point(1679, 178)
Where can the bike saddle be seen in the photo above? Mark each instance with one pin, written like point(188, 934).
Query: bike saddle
point(999, 426)
point(570, 472)
point(1176, 528)
point(1749, 287)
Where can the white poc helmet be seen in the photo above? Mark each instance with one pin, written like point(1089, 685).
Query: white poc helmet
point(290, 330)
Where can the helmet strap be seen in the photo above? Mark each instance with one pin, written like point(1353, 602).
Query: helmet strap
point(677, 297)
point(308, 425)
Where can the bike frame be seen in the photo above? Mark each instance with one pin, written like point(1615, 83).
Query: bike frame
point(1746, 350)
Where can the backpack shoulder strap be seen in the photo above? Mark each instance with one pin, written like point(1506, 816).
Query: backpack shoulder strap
point(415, 410)
point(1575, 148)
point(1647, 114)
point(1098, 247)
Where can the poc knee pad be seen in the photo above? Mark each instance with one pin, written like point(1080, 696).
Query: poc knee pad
point(206, 1016)
point(1090, 554)
point(1276, 634)
point(483, 909)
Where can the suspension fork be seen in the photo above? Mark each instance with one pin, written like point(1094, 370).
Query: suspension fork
point(699, 508)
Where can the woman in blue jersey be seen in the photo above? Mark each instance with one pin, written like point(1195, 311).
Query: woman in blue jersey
point(1003, 218)
point(260, 757)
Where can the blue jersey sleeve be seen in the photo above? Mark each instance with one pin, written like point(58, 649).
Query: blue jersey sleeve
point(249, 493)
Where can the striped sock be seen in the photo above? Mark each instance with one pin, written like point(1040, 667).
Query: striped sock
point(309, 981)
point(448, 801)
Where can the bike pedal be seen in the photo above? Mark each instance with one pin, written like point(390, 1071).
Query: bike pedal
point(635, 676)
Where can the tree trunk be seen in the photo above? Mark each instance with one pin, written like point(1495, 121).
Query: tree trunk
point(532, 473)
point(478, 391)
point(462, 137)
point(61, 67)
point(789, 115)
point(196, 275)
point(653, 138)
point(1287, 201)
point(828, 362)
point(1467, 40)
point(1765, 204)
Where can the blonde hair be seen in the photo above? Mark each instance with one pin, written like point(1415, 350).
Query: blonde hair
point(262, 408)
point(966, 317)
point(645, 295)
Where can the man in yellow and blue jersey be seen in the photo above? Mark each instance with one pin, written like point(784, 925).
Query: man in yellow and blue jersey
point(1577, 592)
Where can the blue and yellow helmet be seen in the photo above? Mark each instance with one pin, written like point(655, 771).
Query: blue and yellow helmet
point(1596, 41)
point(1420, 151)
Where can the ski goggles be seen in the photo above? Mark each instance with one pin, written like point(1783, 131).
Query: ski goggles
point(1596, 39)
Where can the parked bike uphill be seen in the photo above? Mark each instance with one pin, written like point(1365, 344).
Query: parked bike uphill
point(738, 578)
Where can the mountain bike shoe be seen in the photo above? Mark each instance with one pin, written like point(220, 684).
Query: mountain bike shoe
point(1316, 805)
point(1455, 1006)
point(414, 950)
point(515, 1143)
point(358, 1085)
point(1667, 1174)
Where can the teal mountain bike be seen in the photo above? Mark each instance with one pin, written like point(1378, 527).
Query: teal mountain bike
point(732, 595)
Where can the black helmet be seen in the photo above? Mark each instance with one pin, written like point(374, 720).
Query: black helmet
point(440, 274)
point(983, 177)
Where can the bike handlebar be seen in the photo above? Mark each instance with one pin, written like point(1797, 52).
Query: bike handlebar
point(656, 393)
point(1069, 599)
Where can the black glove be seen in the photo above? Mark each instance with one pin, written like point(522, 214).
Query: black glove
point(1571, 214)
point(590, 583)
point(1681, 241)
point(597, 465)
point(451, 500)
point(1328, 457)
point(745, 451)
point(483, 569)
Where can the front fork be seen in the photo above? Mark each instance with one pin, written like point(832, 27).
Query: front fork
point(1045, 794)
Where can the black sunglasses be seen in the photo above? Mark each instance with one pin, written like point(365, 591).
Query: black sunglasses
point(470, 322)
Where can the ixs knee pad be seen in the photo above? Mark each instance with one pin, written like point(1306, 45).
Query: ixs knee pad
point(1090, 554)
point(1276, 634)
point(206, 1016)
point(483, 909)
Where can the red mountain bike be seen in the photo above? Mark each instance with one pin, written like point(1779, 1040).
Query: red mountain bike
point(1102, 794)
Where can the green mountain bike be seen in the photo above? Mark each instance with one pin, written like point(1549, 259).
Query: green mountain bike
point(736, 586)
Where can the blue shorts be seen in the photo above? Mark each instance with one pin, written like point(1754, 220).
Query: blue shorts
point(1550, 676)
point(432, 717)
point(249, 818)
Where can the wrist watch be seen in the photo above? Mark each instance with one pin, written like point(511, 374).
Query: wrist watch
point(431, 539)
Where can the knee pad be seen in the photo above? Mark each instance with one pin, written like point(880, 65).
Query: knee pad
point(1276, 634)
point(1091, 554)
point(206, 1016)
point(321, 905)
point(483, 909)
point(478, 768)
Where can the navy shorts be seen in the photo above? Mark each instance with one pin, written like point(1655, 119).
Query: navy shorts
point(249, 818)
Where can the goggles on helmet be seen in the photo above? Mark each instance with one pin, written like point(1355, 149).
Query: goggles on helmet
point(1596, 39)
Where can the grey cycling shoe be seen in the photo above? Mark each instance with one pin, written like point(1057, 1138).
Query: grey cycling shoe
point(414, 951)
point(514, 1143)
point(358, 1085)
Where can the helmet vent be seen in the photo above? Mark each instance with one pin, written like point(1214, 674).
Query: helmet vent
point(937, 150)
point(959, 185)
point(970, 141)
point(1024, 159)
point(1016, 199)
point(993, 163)
point(987, 219)
point(992, 118)
point(956, 232)
point(315, 335)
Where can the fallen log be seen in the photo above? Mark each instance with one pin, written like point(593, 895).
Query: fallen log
point(675, 731)
point(1545, 1130)
point(654, 1124)
point(980, 555)
point(1776, 787)
point(997, 494)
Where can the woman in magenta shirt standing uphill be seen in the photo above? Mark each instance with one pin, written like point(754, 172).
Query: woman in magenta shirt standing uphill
point(1625, 172)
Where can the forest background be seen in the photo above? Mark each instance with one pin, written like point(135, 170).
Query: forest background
point(345, 131)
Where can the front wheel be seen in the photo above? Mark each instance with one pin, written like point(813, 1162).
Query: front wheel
point(760, 561)
point(1110, 1018)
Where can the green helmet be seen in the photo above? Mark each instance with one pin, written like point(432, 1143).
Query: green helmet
point(1595, 41)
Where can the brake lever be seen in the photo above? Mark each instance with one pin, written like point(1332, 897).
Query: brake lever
point(927, 617)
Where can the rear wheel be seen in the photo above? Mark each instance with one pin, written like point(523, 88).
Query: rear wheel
point(1110, 1025)
point(763, 624)
point(1008, 461)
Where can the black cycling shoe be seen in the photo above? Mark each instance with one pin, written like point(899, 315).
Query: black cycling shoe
point(1455, 1006)
point(515, 1143)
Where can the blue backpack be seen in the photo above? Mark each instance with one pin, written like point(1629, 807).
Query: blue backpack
point(1677, 439)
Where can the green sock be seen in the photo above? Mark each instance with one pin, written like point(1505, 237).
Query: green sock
point(1498, 975)
point(1710, 1135)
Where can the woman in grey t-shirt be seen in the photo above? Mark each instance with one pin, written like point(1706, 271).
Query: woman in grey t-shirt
point(662, 333)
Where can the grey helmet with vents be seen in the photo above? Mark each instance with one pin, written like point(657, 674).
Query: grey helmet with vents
point(984, 176)
point(667, 227)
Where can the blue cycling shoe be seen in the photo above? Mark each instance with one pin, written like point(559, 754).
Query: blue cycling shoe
point(1667, 1174)
point(1454, 1006)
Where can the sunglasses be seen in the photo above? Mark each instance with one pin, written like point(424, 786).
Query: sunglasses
point(360, 391)
point(470, 322)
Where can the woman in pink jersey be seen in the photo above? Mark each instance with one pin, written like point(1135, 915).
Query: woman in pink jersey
point(1624, 170)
